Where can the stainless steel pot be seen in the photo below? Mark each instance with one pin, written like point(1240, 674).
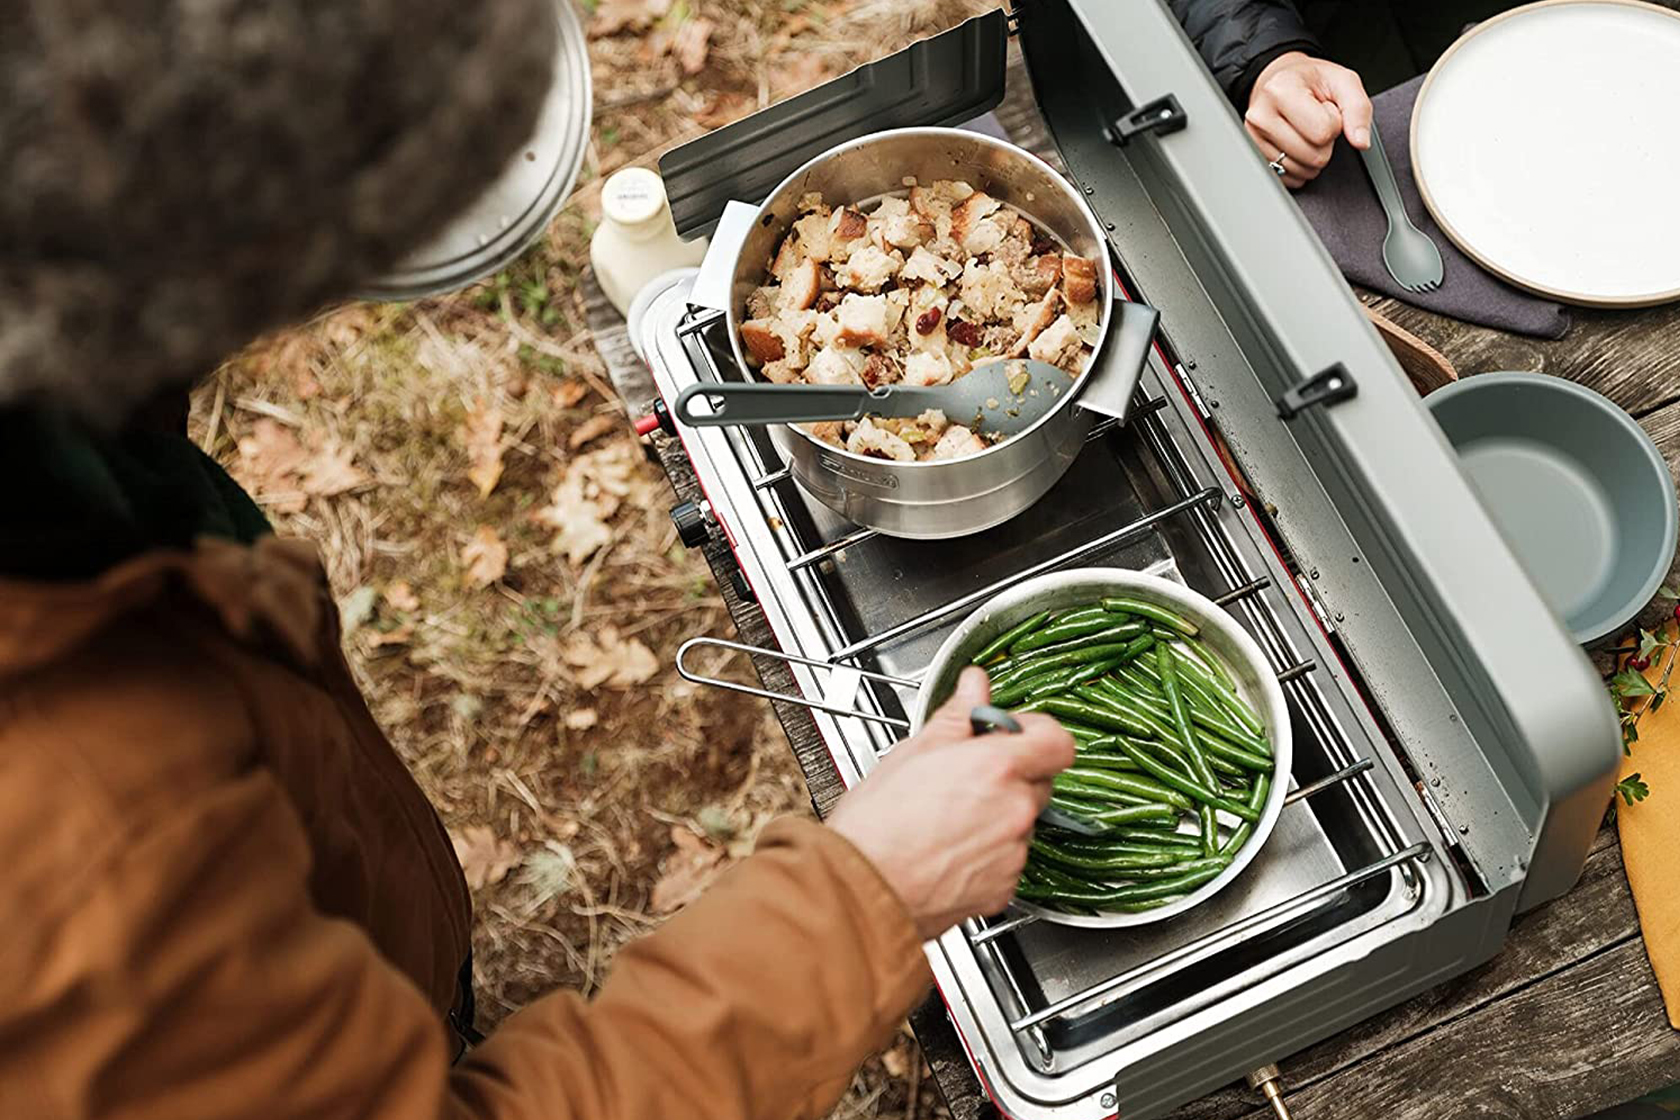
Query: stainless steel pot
point(953, 497)
point(1076, 587)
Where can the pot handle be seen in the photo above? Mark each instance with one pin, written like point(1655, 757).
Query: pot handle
point(841, 687)
point(1110, 384)
point(712, 288)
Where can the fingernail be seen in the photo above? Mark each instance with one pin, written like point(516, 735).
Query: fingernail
point(1362, 137)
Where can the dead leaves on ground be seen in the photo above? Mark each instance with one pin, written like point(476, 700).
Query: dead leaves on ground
point(482, 433)
point(282, 473)
point(670, 29)
point(485, 557)
point(604, 658)
point(593, 488)
point(686, 872)
point(485, 857)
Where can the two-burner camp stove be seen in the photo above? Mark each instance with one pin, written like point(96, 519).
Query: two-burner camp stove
point(1453, 748)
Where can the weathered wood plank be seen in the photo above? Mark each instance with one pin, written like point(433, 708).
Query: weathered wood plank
point(1596, 915)
point(1572, 1043)
point(1632, 357)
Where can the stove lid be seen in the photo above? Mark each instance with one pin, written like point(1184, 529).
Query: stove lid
point(1500, 712)
point(946, 80)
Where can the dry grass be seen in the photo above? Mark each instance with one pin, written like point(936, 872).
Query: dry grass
point(580, 784)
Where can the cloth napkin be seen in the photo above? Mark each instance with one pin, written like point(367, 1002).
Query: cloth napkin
point(1343, 208)
point(1650, 833)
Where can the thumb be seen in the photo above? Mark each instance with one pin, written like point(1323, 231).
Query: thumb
point(973, 689)
point(1348, 92)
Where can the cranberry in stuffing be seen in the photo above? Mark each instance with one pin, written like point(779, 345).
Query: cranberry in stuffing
point(927, 320)
point(964, 332)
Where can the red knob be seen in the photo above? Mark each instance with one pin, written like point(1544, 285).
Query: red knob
point(647, 425)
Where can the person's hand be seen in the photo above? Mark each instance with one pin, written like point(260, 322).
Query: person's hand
point(1298, 106)
point(947, 814)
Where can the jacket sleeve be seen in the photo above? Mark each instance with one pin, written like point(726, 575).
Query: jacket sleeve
point(1238, 38)
point(192, 978)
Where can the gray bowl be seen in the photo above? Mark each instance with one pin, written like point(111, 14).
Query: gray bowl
point(1578, 489)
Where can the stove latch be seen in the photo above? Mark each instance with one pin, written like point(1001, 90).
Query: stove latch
point(1160, 116)
point(1324, 388)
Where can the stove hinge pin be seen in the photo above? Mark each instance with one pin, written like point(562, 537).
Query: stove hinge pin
point(1270, 1083)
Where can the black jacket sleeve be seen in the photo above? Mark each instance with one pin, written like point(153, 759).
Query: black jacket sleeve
point(1238, 38)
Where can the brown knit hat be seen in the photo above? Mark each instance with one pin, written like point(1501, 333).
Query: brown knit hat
point(177, 176)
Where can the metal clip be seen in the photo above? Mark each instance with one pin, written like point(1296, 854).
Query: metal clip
point(1160, 116)
point(1326, 388)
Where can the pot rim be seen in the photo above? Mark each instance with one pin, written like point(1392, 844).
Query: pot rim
point(733, 321)
point(1009, 607)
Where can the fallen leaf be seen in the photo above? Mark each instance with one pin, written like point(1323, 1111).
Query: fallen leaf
point(483, 434)
point(330, 471)
point(588, 495)
point(721, 108)
point(269, 461)
point(485, 557)
point(691, 43)
point(356, 608)
point(346, 327)
point(592, 428)
point(605, 658)
point(582, 719)
point(396, 636)
point(799, 74)
point(686, 872)
point(568, 393)
point(401, 597)
point(485, 858)
point(613, 16)
point(896, 1061)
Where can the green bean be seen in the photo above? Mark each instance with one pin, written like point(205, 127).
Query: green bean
point(1189, 788)
point(1108, 635)
point(1256, 801)
point(1074, 624)
point(1217, 861)
point(1000, 644)
point(1103, 760)
point(1158, 891)
point(1064, 679)
point(1071, 707)
point(1105, 695)
point(1125, 604)
point(1111, 862)
point(1138, 814)
point(1143, 681)
point(1166, 666)
point(1068, 900)
point(1137, 785)
point(1212, 666)
point(1158, 709)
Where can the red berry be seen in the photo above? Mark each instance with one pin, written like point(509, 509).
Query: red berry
point(1639, 663)
point(1677, 610)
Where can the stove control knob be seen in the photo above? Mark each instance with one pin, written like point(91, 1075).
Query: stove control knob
point(742, 587)
point(694, 523)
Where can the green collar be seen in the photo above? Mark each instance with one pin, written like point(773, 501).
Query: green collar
point(74, 502)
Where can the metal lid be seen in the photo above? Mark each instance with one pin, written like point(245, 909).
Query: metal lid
point(518, 205)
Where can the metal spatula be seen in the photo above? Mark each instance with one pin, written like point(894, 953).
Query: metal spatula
point(985, 720)
point(982, 398)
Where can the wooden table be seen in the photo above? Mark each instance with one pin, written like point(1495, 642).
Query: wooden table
point(1567, 1019)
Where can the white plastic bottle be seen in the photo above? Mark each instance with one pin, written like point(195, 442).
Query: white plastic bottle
point(636, 240)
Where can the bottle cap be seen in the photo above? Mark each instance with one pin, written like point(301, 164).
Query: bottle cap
point(632, 196)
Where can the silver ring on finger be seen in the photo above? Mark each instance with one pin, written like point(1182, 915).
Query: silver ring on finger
point(1277, 165)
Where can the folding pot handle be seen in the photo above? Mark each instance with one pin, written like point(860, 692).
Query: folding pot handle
point(844, 680)
point(1110, 384)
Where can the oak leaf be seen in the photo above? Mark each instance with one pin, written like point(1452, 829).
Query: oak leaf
point(691, 43)
point(270, 458)
point(485, 557)
point(606, 658)
point(485, 857)
point(330, 471)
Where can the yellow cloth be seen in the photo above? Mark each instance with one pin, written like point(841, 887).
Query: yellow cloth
point(1650, 831)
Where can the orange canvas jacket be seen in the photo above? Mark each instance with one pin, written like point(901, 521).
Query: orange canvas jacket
point(223, 895)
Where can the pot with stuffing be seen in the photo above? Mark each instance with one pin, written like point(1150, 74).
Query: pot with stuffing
point(908, 257)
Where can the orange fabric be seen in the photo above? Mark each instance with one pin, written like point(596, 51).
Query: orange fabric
point(1650, 835)
point(225, 896)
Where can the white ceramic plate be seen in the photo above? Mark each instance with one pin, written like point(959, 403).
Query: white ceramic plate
point(1546, 143)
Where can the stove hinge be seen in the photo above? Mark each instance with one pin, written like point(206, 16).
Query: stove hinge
point(1324, 388)
point(1325, 619)
point(1160, 116)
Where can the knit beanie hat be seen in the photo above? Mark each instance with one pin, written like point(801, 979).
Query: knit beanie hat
point(178, 176)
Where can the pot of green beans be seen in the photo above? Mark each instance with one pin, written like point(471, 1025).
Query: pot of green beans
point(1182, 732)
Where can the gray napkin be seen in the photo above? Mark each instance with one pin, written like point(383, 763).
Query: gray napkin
point(1343, 208)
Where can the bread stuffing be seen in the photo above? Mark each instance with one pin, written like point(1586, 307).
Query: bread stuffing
point(916, 290)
